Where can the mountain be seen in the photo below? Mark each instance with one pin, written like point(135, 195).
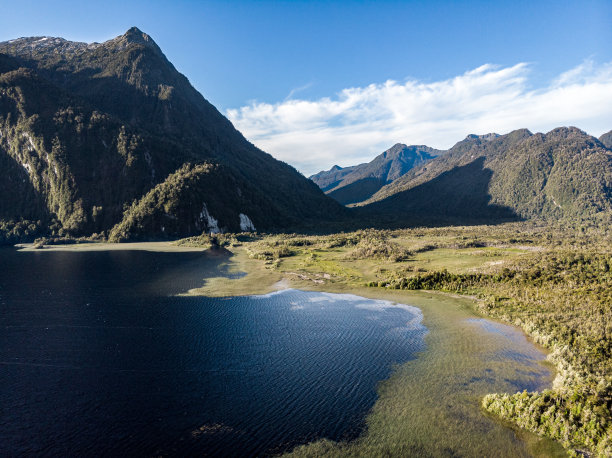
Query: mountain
point(110, 137)
point(329, 179)
point(358, 183)
point(564, 174)
point(606, 139)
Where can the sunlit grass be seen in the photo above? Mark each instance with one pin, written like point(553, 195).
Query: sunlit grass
point(553, 282)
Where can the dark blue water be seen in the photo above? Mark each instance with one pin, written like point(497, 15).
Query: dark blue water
point(97, 357)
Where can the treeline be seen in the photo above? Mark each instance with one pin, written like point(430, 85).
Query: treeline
point(12, 232)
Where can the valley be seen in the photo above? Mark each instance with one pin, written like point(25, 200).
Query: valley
point(123, 187)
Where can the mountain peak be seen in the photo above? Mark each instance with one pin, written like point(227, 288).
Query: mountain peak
point(395, 150)
point(55, 45)
point(359, 182)
point(485, 137)
point(565, 132)
point(133, 30)
point(134, 36)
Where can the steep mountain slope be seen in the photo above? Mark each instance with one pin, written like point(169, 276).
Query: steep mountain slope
point(177, 205)
point(564, 174)
point(606, 139)
point(358, 183)
point(92, 128)
point(329, 179)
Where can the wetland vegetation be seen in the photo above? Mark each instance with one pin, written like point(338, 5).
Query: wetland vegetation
point(553, 282)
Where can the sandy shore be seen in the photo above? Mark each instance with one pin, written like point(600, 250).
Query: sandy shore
point(104, 246)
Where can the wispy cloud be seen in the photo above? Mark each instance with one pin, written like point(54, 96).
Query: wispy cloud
point(359, 123)
point(296, 90)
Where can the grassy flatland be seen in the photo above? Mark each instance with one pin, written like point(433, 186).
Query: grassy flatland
point(554, 282)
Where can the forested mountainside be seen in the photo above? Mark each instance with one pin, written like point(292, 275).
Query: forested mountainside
point(565, 174)
point(358, 183)
point(109, 138)
point(87, 131)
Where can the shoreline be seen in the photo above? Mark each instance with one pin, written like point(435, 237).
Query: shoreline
point(268, 281)
point(259, 278)
point(452, 334)
point(158, 247)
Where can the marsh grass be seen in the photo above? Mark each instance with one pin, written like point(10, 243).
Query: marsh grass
point(553, 282)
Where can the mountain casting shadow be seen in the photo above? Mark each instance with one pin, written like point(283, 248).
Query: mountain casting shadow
point(358, 191)
point(458, 196)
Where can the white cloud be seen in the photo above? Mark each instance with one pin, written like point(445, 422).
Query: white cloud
point(296, 90)
point(358, 123)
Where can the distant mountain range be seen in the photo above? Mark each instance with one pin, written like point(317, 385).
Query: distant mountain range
point(564, 174)
point(358, 183)
point(110, 137)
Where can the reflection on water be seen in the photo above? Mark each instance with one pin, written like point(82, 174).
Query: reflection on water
point(98, 357)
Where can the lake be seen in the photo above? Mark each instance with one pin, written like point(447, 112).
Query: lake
point(99, 356)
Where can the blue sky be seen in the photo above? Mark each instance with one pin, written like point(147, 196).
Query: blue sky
point(280, 70)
